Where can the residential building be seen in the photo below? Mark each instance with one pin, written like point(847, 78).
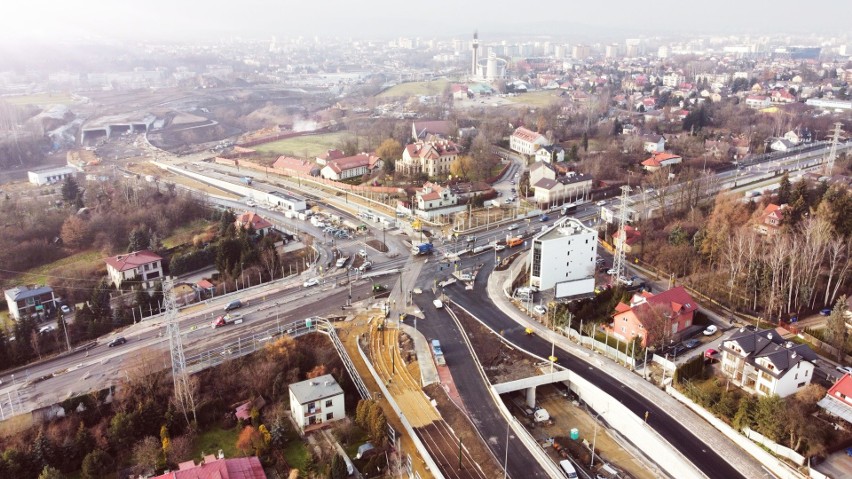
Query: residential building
point(250, 219)
point(50, 175)
point(641, 318)
point(26, 301)
point(550, 154)
point(793, 137)
point(564, 253)
point(469, 190)
point(673, 80)
point(144, 266)
point(215, 468)
point(838, 400)
point(433, 196)
point(526, 142)
point(757, 102)
point(770, 220)
point(654, 143)
point(432, 130)
point(633, 237)
point(762, 362)
point(316, 401)
point(781, 144)
point(829, 104)
point(568, 188)
point(432, 158)
point(330, 155)
point(350, 167)
point(661, 160)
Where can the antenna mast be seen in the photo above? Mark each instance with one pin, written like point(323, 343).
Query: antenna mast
point(183, 391)
point(618, 257)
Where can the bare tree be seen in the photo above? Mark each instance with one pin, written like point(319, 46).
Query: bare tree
point(657, 320)
point(838, 265)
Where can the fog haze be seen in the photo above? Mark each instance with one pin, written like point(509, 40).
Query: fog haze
point(214, 20)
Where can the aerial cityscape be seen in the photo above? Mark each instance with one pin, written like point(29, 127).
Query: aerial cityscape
point(468, 241)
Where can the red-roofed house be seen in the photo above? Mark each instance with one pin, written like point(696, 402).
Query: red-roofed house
point(660, 160)
point(330, 155)
point(424, 130)
point(237, 468)
point(633, 237)
point(257, 222)
point(430, 157)
point(350, 167)
point(838, 400)
point(132, 266)
point(434, 196)
point(769, 222)
point(526, 142)
point(290, 165)
point(632, 321)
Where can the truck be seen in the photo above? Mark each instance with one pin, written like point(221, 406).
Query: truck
point(422, 249)
point(438, 353)
point(541, 415)
point(341, 262)
point(246, 179)
point(226, 320)
point(512, 242)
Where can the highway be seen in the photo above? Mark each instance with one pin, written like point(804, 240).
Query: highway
point(478, 303)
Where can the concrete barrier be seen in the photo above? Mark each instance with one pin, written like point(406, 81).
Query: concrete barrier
point(773, 446)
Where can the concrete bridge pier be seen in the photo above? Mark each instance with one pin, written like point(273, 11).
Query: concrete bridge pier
point(531, 397)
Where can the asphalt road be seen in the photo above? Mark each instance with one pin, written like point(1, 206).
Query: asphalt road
point(696, 451)
point(473, 391)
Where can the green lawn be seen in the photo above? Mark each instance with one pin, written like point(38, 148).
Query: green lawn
point(304, 146)
point(39, 99)
point(39, 275)
point(415, 88)
point(211, 441)
point(536, 98)
point(296, 453)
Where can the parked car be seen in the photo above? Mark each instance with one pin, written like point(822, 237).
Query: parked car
point(513, 226)
point(710, 330)
point(544, 218)
point(539, 309)
point(610, 271)
point(601, 202)
point(825, 312)
point(844, 369)
point(65, 309)
point(311, 282)
point(710, 353)
point(117, 342)
point(691, 343)
point(677, 349)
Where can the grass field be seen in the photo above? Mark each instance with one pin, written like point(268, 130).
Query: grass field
point(40, 274)
point(185, 234)
point(211, 441)
point(309, 146)
point(536, 98)
point(39, 99)
point(415, 88)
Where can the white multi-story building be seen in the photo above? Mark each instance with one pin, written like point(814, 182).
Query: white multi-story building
point(762, 362)
point(527, 142)
point(316, 401)
point(143, 266)
point(564, 257)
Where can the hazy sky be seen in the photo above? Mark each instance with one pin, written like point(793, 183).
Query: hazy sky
point(197, 20)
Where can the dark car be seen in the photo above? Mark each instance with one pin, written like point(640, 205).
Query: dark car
point(117, 341)
point(692, 343)
point(677, 349)
point(825, 312)
point(544, 218)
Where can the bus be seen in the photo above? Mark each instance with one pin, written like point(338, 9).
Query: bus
point(569, 208)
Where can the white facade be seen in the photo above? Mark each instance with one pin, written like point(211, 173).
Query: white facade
point(143, 266)
point(546, 154)
point(762, 363)
point(316, 401)
point(49, 176)
point(526, 142)
point(565, 252)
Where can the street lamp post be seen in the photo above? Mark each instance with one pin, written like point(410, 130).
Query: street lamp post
point(506, 454)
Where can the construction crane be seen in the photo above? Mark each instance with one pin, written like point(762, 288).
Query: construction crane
point(618, 261)
point(183, 390)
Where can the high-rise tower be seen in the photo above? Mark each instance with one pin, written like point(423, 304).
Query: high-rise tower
point(475, 47)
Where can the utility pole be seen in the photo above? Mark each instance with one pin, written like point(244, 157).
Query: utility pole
point(183, 391)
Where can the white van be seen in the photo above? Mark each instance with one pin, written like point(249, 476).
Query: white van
point(568, 469)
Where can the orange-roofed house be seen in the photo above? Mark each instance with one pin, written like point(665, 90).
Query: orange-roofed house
point(526, 141)
point(143, 265)
point(350, 167)
point(633, 236)
point(660, 160)
point(257, 222)
point(769, 222)
point(630, 320)
point(296, 166)
point(212, 468)
point(433, 196)
point(838, 400)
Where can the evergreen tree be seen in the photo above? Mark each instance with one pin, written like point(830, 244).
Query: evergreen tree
point(338, 468)
point(70, 189)
point(784, 190)
point(43, 451)
point(585, 142)
point(96, 465)
point(140, 238)
point(83, 444)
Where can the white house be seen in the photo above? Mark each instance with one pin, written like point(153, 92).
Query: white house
point(350, 167)
point(51, 175)
point(25, 301)
point(143, 266)
point(654, 143)
point(757, 101)
point(316, 401)
point(526, 142)
point(571, 187)
point(762, 362)
point(781, 144)
point(792, 137)
point(434, 196)
point(550, 154)
point(564, 253)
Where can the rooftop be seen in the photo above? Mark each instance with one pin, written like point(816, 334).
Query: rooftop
point(126, 262)
point(237, 468)
point(566, 226)
point(22, 292)
point(315, 389)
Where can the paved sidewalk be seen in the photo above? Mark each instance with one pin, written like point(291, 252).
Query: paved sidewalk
point(742, 461)
point(428, 371)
